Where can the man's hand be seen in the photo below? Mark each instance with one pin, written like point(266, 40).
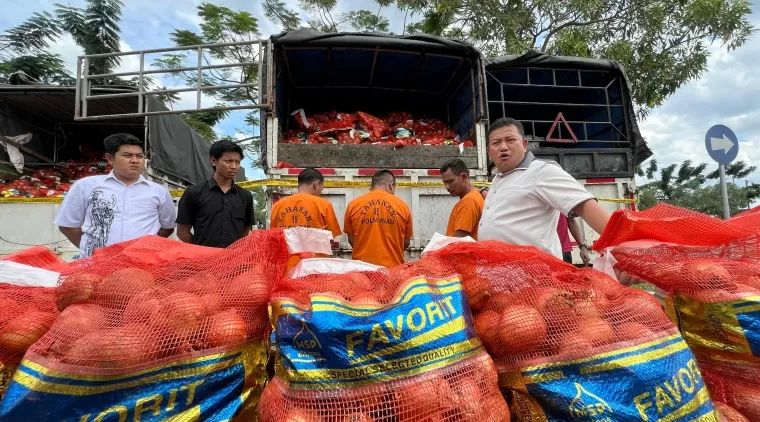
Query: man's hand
point(74, 234)
point(184, 234)
point(165, 232)
point(626, 279)
point(585, 255)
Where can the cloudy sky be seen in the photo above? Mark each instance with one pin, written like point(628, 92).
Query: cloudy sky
point(729, 93)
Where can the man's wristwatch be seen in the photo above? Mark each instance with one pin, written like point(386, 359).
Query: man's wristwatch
point(582, 246)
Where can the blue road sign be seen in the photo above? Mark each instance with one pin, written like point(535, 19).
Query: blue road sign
point(721, 144)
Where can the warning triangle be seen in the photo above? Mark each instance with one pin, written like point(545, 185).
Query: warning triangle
point(549, 136)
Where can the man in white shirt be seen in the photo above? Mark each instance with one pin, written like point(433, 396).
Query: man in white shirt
point(102, 210)
point(527, 195)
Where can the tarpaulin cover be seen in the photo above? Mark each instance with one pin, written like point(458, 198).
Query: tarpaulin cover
point(176, 149)
point(415, 42)
point(537, 59)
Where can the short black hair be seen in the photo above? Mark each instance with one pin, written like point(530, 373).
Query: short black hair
point(504, 122)
point(309, 176)
point(382, 176)
point(112, 143)
point(218, 149)
point(455, 165)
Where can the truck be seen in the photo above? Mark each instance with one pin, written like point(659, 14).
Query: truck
point(576, 111)
point(177, 155)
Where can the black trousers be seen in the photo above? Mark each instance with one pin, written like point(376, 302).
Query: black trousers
point(567, 257)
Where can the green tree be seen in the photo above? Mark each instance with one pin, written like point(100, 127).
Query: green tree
point(260, 205)
point(94, 28)
point(220, 25)
point(686, 186)
point(661, 43)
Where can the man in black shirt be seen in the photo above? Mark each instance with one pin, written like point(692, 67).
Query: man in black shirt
point(218, 211)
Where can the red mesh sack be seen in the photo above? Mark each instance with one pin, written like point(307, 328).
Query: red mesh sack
point(200, 321)
point(378, 346)
point(737, 400)
point(715, 293)
point(377, 127)
point(38, 256)
point(573, 344)
point(26, 313)
point(668, 223)
point(748, 220)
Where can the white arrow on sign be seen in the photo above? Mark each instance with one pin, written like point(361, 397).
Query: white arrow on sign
point(721, 143)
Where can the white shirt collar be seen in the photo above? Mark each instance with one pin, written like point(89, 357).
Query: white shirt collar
point(140, 179)
point(524, 164)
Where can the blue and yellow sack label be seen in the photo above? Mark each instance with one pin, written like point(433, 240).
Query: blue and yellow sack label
point(215, 387)
point(654, 381)
point(724, 331)
point(336, 344)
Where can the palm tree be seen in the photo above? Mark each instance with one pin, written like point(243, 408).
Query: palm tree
point(95, 28)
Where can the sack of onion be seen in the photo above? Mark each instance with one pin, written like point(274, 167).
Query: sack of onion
point(715, 296)
point(573, 344)
point(27, 305)
point(366, 346)
point(182, 339)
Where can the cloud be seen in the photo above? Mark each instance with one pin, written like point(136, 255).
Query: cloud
point(728, 93)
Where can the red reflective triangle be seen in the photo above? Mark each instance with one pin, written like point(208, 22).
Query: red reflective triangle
point(549, 137)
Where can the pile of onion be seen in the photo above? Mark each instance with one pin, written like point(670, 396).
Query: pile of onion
point(24, 330)
point(79, 288)
point(118, 288)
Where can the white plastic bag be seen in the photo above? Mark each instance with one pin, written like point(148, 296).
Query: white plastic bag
point(439, 241)
point(304, 240)
point(26, 275)
point(17, 158)
point(312, 266)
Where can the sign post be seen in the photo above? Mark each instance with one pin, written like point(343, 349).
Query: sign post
point(723, 147)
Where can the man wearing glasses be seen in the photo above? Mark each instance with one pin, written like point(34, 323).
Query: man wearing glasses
point(528, 195)
point(99, 211)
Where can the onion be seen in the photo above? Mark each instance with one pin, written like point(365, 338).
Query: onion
point(633, 331)
point(300, 415)
point(746, 400)
point(468, 399)
point(76, 289)
point(643, 305)
point(24, 330)
point(728, 413)
point(487, 326)
point(521, 329)
point(499, 301)
point(358, 417)
point(226, 328)
point(123, 347)
point(250, 288)
point(548, 300)
point(478, 291)
point(366, 299)
point(76, 320)
point(118, 288)
point(420, 398)
point(212, 302)
point(181, 311)
point(142, 306)
point(597, 331)
point(572, 343)
point(704, 273)
point(585, 308)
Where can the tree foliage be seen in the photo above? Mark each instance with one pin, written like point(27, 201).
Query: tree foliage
point(687, 186)
point(663, 44)
point(94, 28)
point(219, 25)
